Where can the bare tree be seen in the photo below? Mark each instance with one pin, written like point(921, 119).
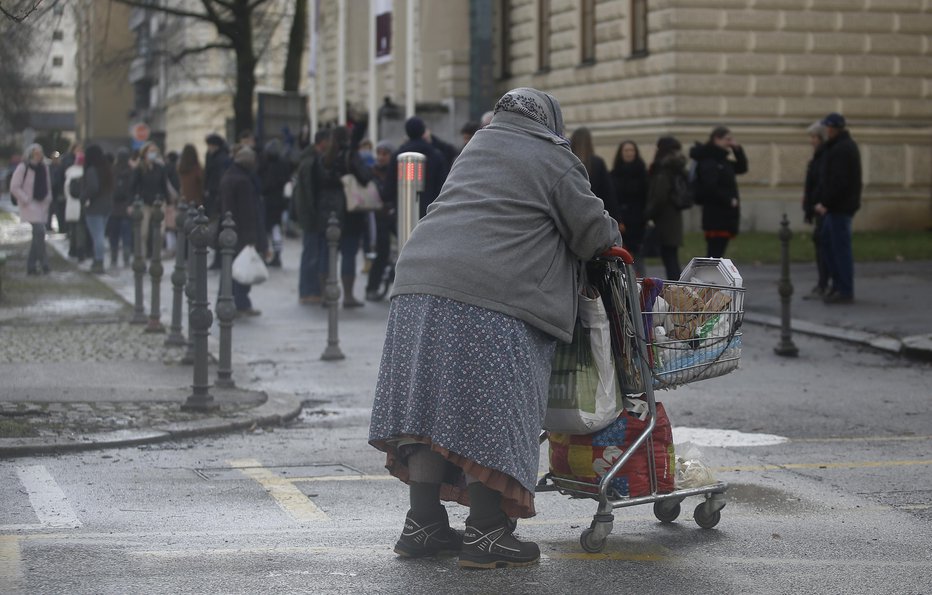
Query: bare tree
point(296, 45)
point(17, 90)
point(19, 11)
point(235, 22)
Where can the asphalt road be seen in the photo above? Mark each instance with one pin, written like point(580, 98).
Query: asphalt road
point(835, 498)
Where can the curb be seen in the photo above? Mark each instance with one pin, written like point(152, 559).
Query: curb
point(277, 409)
point(916, 347)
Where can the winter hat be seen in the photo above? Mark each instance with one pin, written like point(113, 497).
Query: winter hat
point(834, 120)
point(245, 157)
point(385, 145)
point(415, 127)
point(214, 139)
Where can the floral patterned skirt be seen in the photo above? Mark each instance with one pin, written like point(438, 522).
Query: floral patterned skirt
point(471, 383)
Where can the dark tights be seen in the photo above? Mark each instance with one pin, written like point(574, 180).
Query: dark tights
point(715, 247)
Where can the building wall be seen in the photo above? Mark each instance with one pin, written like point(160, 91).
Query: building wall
point(52, 68)
point(104, 97)
point(765, 68)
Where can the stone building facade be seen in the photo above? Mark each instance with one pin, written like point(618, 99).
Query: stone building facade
point(640, 69)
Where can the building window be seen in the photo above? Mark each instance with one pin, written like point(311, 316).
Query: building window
point(504, 38)
point(543, 35)
point(57, 61)
point(58, 35)
point(638, 27)
point(587, 31)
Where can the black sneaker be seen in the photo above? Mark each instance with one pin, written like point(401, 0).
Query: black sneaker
point(493, 545)
point(423, 539)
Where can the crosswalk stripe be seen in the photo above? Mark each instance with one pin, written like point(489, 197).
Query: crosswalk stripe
point(48, 501)
point(11, 571)
point(292, 500)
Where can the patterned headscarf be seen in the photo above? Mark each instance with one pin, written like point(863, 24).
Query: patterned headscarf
point(535, 105)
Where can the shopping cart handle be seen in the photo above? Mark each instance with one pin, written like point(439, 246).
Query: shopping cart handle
point(619, 252)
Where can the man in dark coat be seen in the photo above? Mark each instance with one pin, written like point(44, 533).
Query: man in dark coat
point(216, 163)
point(238, 196)
point(310, 284)
point(435, 171)
point(839, 198)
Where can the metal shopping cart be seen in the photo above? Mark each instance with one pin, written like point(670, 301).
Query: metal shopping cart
point(664, 334)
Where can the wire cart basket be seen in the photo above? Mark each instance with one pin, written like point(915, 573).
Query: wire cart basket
point(664, 334)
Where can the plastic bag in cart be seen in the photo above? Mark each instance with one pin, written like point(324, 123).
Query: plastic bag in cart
point(691, 472)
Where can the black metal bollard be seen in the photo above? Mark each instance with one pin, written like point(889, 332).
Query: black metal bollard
point(155, 270)
point(190, 222)
point(179, 276)
point(200, 319)
point(786, 347)
point(226, 310)
point(139, 264)
point(332, 292)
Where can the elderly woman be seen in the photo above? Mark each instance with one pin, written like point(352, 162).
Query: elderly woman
point(31, 185)
point(484, 288)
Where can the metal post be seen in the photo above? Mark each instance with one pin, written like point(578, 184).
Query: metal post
point(139, 263)
point(188, 357)
point(200, 319)
point(226, 310)
point(179, 276)
point(786, 346)
point(332, 293)
point(156, 270)
point(410, 186)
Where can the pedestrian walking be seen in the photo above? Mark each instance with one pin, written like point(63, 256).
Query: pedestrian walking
point(313, 223)
point(121, 221)
point(629, 181)
point(216, 163)
point(667, 176)
point(340, 158)
point(274, 173)
point(57, 210)
point(79, 243)
point(839, 198)
point(817, 138)
point(435, 167)
point(484, 287)
point(385, 222)
point(97, 199)
point(31, 187)
point(238, 196)
point(717, 188)
point(150, 183)
point(191, 176)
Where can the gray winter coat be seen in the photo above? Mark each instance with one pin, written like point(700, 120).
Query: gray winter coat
point(515, 216)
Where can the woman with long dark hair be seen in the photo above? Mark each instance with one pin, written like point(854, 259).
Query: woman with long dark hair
point(581, 146)
point(629, 181)
point(717, 190)
point(191, 176)
point(340, 159)
point(668, 165)
point(97, 198)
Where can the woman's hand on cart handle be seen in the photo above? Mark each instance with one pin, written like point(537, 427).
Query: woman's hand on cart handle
point(619, 252)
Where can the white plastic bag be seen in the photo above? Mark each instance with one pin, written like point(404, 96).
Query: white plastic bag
point(249, 268)
point(691, 472)
point(584, 394)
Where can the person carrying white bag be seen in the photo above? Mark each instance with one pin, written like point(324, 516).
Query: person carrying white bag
point(239, 196)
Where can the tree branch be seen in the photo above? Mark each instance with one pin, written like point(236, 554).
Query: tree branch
point(24, 16)
point(173, 11)
point(177, 57)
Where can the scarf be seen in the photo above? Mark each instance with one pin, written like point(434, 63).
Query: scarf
point(40, 187)
point(538, 107)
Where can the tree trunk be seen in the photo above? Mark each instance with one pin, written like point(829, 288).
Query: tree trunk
point(245, 68)
point(296, 45)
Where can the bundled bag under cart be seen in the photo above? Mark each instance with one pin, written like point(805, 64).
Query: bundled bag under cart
point(663, 334)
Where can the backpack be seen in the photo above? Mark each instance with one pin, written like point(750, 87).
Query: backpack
point(684, 192)
point(75, 186)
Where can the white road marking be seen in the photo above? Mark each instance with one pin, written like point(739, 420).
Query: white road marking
point(48, 501)
point(11, 571)
point(292, 500)
point(724, 438)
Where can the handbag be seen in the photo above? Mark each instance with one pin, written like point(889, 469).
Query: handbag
point(360, 197)
point(249, 268)
point(584, 394)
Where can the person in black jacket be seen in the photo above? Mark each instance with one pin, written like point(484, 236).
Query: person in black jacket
point(238, 195)
point(817, 137)
point(121, 229)
point(717, 189)
point(435, 168)
point(629, 181)
point(667, 175)
point(274, 173)
point(599, 180)
point(839, 198)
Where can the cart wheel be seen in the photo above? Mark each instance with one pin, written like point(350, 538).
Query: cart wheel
point(704, 519)
point(666, 511)
point(590, 543)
